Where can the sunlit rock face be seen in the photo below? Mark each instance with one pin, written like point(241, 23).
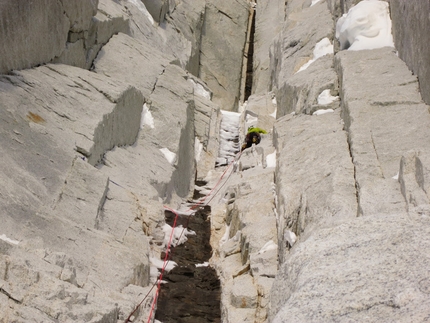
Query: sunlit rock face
point(375, 180)
point(114, 110)
point(410, 22)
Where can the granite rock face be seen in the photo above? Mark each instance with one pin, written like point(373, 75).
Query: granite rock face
point(351, 187)
point(410, 21)
point(77, 30)
point(116, 116)
point(89, 159)
point(269, 15)
point(294, 46)
point(219, 41)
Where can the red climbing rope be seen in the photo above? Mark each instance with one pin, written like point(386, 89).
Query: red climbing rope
point(166, 260)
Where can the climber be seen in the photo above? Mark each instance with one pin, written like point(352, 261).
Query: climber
point(252, 137)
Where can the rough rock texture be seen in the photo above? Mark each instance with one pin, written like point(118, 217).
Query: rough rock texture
point(88, 34)
point(269, 15)
point(365, 269)
point(292, 49)
point(315, 175)
point(219, 41)
point(244, 221)
point(368, 160)
point(325, 220)
point(340, 7)
point(20, 46)
point(75, 35)
point(81, 235)
point(60, 120)
point(410, 22)
point(396, 112)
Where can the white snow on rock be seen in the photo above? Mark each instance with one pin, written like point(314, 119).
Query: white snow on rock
point(205, 264)
point(198, 148)
point(200, 90)
point(139, 4)
point(273, 114)
point(271, 160)
point(170, 156)
point(5, 238)
point(314, 2)
point(270, 245)
point(179, 235)
point(290, 237)
point(326, 98)
point(146, 118)
point(323, 47)
point(229, 132)
point(322, 111)
point(367, 25)
point(224, 238)
point(158, 263)
point(187, 211)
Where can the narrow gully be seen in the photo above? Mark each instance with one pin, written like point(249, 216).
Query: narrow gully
point(192, 293)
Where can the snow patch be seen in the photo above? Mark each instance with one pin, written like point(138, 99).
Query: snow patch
point(271, 160)
point(270, 245)
point(314, 2)
point(229, 133)
point(273, 114)
point(322, 111)
point(199, 90)
point(367, 25)
point(322, 48)
point(326, 98)
point(146, 118)
point(158, 263)
point(205, 264)
point(179, 235)
point(170, 156)
point(198, 148)
point(290, 237)
point(5, 238)
point(224, 238)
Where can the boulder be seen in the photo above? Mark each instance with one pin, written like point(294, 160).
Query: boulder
point(244, 294)
point(260, 111)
